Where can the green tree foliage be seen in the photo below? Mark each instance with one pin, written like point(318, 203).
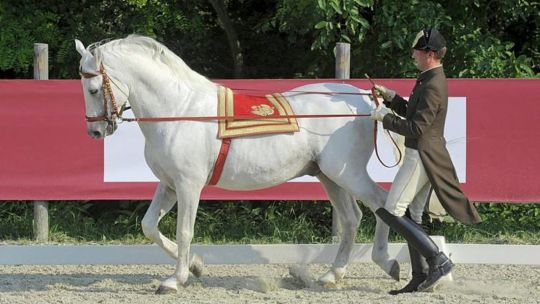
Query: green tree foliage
point(485, 39)
point(58, 23)
point(494, 38)
point(20, 28)
point(341, 21)
point(281, 38)
point(388, 44)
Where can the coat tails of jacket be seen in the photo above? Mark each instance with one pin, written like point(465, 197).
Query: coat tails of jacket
point(423, 128)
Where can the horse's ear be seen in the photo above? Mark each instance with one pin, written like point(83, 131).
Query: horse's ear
point(80, 47)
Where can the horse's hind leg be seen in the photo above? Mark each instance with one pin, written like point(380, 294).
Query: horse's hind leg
point(163, 201)
point(373, 196)
point(379, 252)
point(349, 216)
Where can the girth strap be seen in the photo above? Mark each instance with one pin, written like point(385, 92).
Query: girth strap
point(220, 161)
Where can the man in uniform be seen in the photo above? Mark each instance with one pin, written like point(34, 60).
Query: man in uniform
point(426, 162)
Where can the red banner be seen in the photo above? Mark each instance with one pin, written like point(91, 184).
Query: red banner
point(45, 153)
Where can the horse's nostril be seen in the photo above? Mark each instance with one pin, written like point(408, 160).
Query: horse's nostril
point(96, 134)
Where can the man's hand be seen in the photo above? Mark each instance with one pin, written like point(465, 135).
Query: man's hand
point(385, 92)
point(380, 112)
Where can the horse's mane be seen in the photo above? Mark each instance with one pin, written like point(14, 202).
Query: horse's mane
point(153, 49)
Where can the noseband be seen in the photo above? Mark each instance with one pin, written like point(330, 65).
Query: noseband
point(108, 95)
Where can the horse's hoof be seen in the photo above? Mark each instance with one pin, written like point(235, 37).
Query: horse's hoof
point(197, 266)
point(394, 271)
point(165, 290)
point(328, 280)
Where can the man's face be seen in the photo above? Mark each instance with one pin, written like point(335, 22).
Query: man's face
point(421, 59)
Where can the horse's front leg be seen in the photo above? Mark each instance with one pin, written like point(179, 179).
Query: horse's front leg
point(163, 201)
point(188, 201)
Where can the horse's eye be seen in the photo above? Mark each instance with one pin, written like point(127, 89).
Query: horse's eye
point(93, 91)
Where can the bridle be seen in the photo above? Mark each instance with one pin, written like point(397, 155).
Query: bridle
point(116, 112)
point(108, 96)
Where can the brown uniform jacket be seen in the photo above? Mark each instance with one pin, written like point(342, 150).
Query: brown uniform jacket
point(423, 127)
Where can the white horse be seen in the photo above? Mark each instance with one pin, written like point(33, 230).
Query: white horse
point(157, 83)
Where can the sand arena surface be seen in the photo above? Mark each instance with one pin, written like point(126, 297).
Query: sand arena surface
point(364, 283)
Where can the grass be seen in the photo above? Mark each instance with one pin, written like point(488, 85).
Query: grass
point(241, 222)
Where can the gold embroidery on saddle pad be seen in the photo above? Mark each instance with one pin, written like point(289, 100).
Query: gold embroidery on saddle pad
point(268, 107)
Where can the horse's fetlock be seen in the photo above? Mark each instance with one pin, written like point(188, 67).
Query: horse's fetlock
point(376, 257)
point(340, 272)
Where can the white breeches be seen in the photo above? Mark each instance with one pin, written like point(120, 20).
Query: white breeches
point(410, 187)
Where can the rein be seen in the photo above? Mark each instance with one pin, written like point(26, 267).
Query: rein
point(116, 112)
point(307, 92)
point(376, 101)
point(236, 117)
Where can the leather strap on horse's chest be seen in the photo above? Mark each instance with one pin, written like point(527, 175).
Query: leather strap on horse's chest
point(220, 161)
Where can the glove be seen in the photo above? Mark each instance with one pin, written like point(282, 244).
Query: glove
point(385, 92)
point(380, 112)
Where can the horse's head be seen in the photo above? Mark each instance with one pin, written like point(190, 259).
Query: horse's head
point(102, 108)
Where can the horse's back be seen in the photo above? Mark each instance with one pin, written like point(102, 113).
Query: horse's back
point(331, 99)
point(266, 160)
point(328, 98)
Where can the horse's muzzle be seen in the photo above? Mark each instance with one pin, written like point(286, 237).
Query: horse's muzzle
point(100, 129)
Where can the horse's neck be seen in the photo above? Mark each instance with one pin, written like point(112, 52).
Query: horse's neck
point(159, 93)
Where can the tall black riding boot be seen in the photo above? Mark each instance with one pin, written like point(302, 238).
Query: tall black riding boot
point(420, 270)
point(439, 264)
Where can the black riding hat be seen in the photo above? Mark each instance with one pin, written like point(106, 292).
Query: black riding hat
point(429, 40)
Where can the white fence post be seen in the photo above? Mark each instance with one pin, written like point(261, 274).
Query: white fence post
point(41, 208)
point(343, 68)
